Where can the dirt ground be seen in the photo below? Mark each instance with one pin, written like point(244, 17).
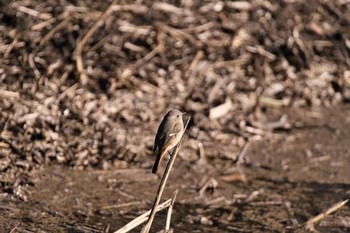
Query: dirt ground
point(84, 85)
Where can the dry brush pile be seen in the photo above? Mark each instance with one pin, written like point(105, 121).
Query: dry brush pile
point(84, 83)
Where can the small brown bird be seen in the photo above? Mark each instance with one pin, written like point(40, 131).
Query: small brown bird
point(168, 136)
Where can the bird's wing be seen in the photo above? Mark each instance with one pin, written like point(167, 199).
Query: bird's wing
point(176, 129)
point(163, 139)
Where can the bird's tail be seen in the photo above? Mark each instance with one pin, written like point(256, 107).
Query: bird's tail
point(158, 159)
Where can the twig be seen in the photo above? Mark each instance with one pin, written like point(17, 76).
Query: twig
point(310, 223)
point(149, 56)
point(177, 33)
point(42, 25)
point(135, 8)
point(170, 210)
point(133, 47)
point(260, 50)
point(199, 55)
point(241, 60)
point(87, 36)
point(80, 46)
point(11, 46)
point(240, 158)
point(29, 11)
point(158, 49)
point(93, 29)
point(266, 203)
point(166, 7)
point(51, 33)
point(336, 11)
point(291, 213)
point(120, 205)
point(66, 92)
point(220, 110)
point(33, 66)
point(106, 229)
point(200, 28)
point(9, 94)
point(166, 174)
point(142, 218)
point(14, 229)
point(211, 183)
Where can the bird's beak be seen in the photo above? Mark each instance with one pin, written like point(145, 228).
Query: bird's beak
point(184, 113)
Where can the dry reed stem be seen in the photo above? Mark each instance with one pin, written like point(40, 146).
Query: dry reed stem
point(166, 174)
point(170, 210)
point(142, 218)
point(310, 223)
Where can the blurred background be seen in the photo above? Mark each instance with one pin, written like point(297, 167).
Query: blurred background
point(84, 85)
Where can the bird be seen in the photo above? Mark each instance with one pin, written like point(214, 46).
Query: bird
point(168, 135)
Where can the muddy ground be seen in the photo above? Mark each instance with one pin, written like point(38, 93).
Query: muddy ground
point(83, 86)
